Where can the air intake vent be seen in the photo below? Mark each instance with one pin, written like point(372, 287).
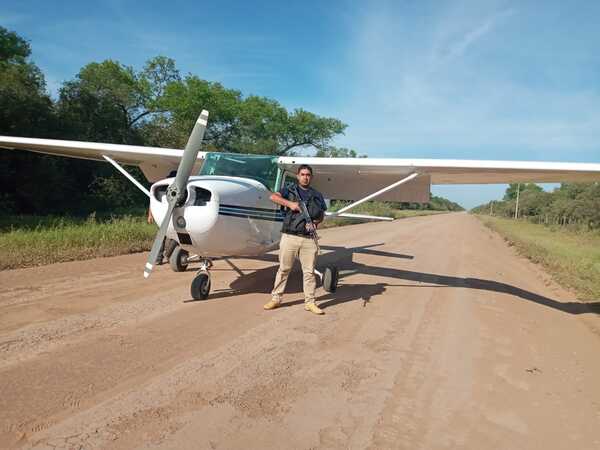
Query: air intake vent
point(202, 196)
point(160, 192)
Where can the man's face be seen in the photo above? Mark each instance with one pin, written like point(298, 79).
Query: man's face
point(304, 177)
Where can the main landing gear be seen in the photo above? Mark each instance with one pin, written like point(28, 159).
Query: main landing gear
point(329, 278)
point(201, 283)
point(180, 259)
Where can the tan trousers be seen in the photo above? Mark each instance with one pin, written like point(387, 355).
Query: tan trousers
point(290, 248)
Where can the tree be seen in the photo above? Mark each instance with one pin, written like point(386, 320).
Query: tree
point(262, 122)
point(532, 202)
point(244, 125)
point(13, 48)
point(108, 101)
point(26, 111)
point(443, 204)
point(304, 128)
point(511, 191)
point(575, 204)
point(185, 99)
point(337, 152)
point(26, 108)
point(111, 102)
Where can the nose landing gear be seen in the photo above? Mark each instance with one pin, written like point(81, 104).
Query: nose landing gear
point(201, 283)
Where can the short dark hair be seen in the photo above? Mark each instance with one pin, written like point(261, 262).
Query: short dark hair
point(304, 166)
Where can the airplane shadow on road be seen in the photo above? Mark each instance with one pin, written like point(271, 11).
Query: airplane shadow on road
point(261, 281)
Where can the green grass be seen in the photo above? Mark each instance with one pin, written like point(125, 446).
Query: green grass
point(27, 241)
point(572, 258)
point(32, 241)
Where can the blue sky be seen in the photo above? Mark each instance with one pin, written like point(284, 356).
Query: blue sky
point(464, 79)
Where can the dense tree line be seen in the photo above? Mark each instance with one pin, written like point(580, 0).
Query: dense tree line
point(110, 102)
point(572, 204)
point(435, 204)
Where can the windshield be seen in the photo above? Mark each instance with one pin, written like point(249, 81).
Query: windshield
point(257, 167)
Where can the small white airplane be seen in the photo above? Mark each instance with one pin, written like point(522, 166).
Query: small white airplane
point(223, 210)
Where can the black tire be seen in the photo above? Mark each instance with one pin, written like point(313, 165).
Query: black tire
point(200, 287)
point(179, 260)
point(330, 279)
point(170, 246)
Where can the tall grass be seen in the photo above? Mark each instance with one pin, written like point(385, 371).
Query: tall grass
point(572, 258)
point(32, 241)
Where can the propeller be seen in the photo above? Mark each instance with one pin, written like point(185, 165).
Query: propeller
point(177, 191)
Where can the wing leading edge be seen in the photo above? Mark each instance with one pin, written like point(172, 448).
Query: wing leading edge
point(155, 162)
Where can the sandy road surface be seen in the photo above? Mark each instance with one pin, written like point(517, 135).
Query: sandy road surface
point(439, 337)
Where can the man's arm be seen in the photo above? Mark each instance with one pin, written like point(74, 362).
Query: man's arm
point(276, 197)
point(324, 207)
point(150, 218)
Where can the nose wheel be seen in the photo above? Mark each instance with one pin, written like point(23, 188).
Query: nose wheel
point(201, 283)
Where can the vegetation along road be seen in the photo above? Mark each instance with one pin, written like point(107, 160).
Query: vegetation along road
point(439, 336)
point(571, 256)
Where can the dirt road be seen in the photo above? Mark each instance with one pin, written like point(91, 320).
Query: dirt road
point(438, 337)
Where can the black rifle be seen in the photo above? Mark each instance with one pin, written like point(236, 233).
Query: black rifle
point(306, 215)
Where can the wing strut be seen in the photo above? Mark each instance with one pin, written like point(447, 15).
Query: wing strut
point(379, 192)
point(357, 216)
point(127, 174)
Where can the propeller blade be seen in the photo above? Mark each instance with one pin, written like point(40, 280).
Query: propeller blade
point(160, 236)
point(177, 190)
point(190, 154)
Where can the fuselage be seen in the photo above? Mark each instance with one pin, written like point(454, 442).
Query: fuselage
point(222, 216)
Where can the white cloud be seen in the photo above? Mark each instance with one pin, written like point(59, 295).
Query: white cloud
point(458, 48)
point(438, 83)
point(446, 83)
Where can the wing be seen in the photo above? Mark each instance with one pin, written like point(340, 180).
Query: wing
point(354, 178)
point(339, 178)
point(155, 162)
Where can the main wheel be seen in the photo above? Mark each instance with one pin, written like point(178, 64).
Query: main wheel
point(200, 286)
point(330, 279)
point(179, 259)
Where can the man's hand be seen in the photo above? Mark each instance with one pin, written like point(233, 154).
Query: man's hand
point(294, 206)
point(310, 227)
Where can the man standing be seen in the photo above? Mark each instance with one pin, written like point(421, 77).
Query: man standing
point(296, 240)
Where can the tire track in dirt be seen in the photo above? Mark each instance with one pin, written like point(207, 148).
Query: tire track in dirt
point(439, 336)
